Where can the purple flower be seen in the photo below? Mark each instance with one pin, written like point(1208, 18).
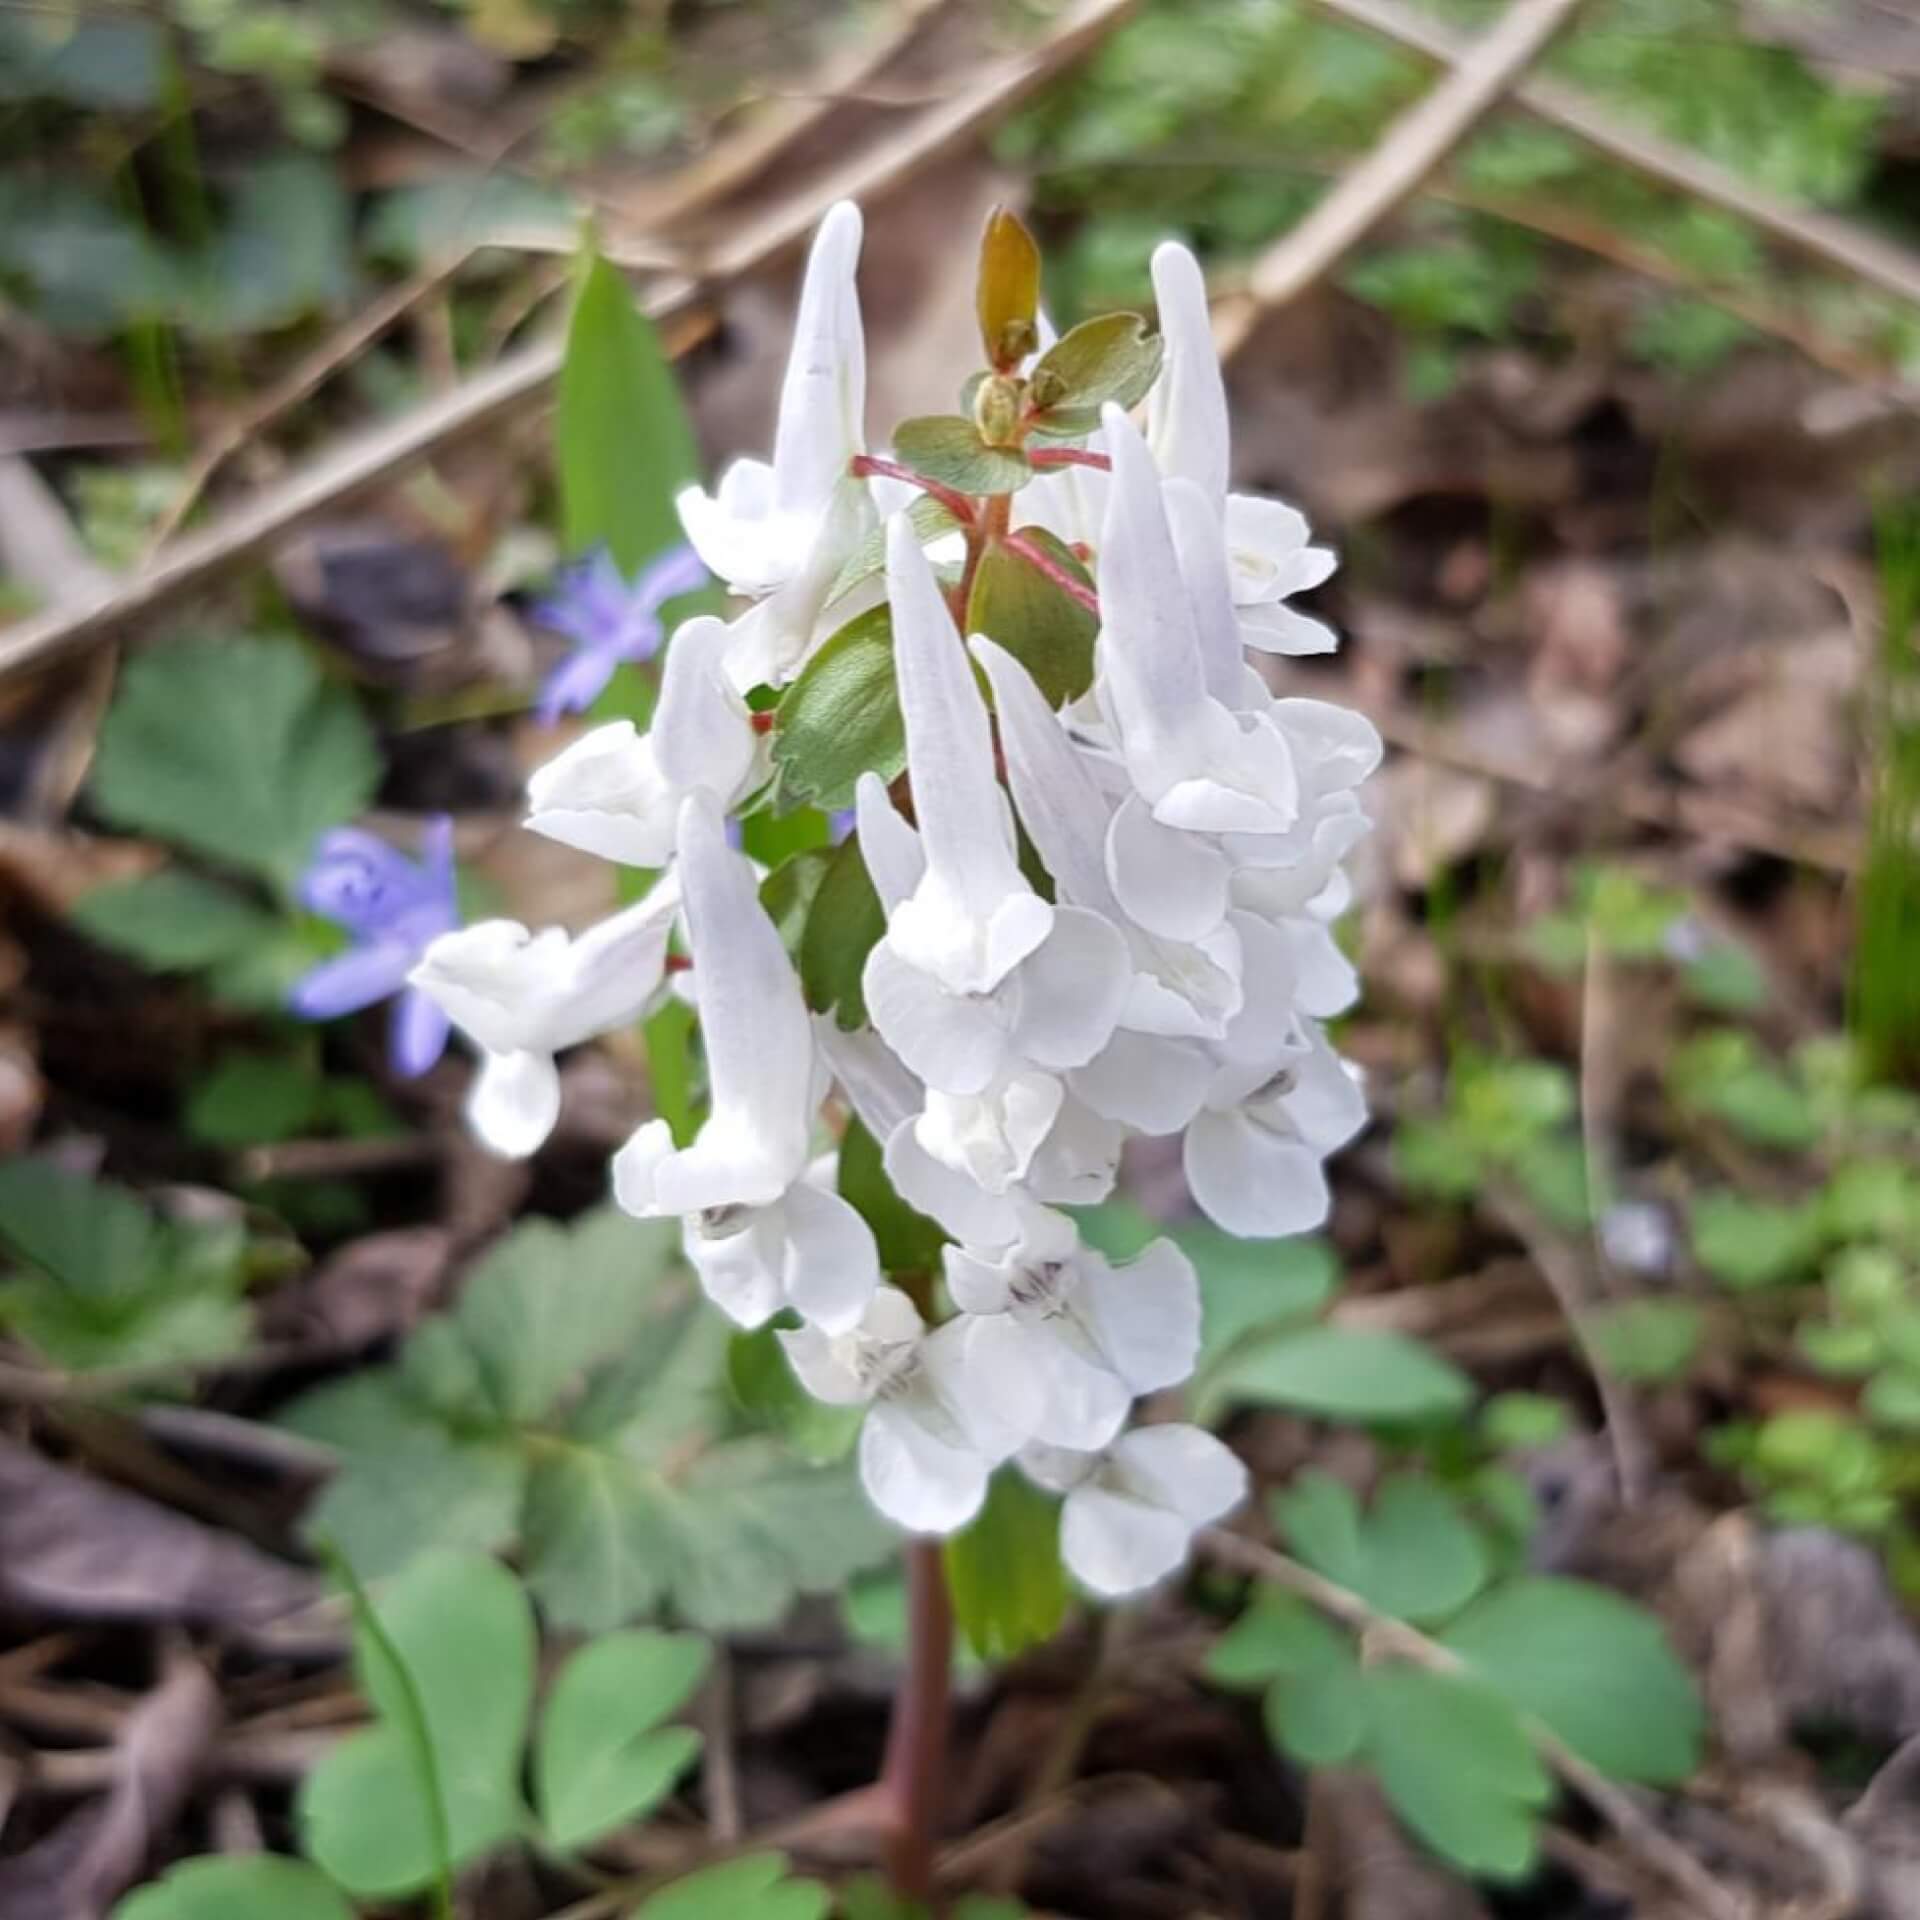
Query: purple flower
point(394, 908)
point(608, 621)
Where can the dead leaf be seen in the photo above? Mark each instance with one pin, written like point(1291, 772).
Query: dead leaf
point(1431, 818)
point(371, 1288)
point(74, 1548)
point(79, 1869)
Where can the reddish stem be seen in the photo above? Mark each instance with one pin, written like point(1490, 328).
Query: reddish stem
point(916, 1758)
point(866, 465)
point(763, 721)
point(1068, 457)
point(1043, 562)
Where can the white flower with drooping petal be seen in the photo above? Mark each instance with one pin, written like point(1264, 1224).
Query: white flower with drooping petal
point(617, 793)
point(782, 532)
point(1255, 1156)
point(759, 1231)
point(1195, 762)
point(1179, 987)
point(1063, 1342)
point(523, 997)
point(976, 977)
point(1267, 542)
point(929, 1443)
point(1131, 1512)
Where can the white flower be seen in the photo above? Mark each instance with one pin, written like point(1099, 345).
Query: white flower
point(759, 1232)
point(1063, 1342)
point(1195, 762)
point(781, 533)
point(1188, 431)
point(1131, 1512)
point(1254, 1155)
point(976, 976)
point(1179, 986)
point(522, 997)
point(929, 1444)
point(617, 793)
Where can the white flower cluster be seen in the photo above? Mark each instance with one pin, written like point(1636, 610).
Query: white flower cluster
point(1193, 827)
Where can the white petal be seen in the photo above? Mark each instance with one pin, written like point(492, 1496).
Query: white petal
point(754, 1030)
point(702, 734)
point(1069, 992)
point(924, 1481)
point(1145, 1081)
point(1187, 407)
point(741, 1262)
point(494, 980)
point(991, 1136)
point(1265, 1034)
point(1114, 1545)
point(1145, 1315)
point(889, 846)
point(1182, 1468)
point(973, 917)
point(737, 533)
point(1057, 1469)
point(1325, 1103)
point(1202, 547)
point(1267, 541)
point(882, 1091)
point(605, 795)
point(957, 1042)
point(636, 1169)
point(1250, 1181)
point(1040, 1386)
point(1276, 628)
point(771, 642)
point(514, 1101)
point(953, 1396)
point(1326, 982)
point(966, 1211)
point(1338, 747)
point(824, 394)
point(612, 972)
point(832, 1266)
point(1060, 803)
point(1172, 883)
point(1079, 1160)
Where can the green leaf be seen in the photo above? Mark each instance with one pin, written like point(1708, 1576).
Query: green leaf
point(1414, 1555)
point(364, 1809)
point(1892, 1399)
point(908, 1241)
point(1753, 1243)
point(1457, 1768)
point(1652, 1339)
point(238, 1887)
point(103, 1283)
point(841, 717)
point(946, 448)
point(1727, 977)
point(1008, 1587)
point(1318, 1717)
point(603, 1758)
point(1435, 1157)
point(1042, 625)
point(668, 1034)
point(1279, 1637)
point(1344, 1374)
point(844, 925)
point(576, 1401)
point(1248, 1288)
point(172, 921)
point(1591, 1666)
point(929, 520)
point(625, 444)
point(1507, 1106)
point(237, 749)
point(250, 1098)
point(1114, 356)
point(755, 1887)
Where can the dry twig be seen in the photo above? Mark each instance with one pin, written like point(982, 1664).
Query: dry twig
point(1392, 171)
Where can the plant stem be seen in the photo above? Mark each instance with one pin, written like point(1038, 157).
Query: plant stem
point(866, 465)
point(1069, 457)
point(1043, 562)
point(915, 1770)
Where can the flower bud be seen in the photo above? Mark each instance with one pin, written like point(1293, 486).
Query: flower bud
point(996, 409)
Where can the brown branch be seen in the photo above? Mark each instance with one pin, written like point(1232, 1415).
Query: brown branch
point(1400, 160)
point(1822, 237)
point(1658, 1854)
point(378, 455)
